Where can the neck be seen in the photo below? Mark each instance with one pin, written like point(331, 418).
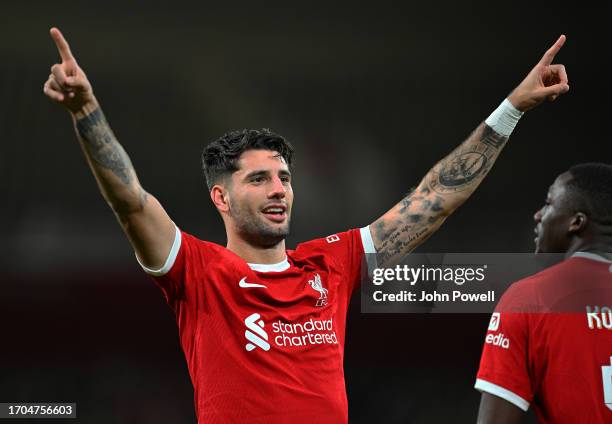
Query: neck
point(600, 246)
point(256, 254)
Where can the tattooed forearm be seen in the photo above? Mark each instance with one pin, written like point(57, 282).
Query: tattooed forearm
point(110, 164)
point(492, 138)
point(103, 147)
point(467, 165)
point(405, 226)
point(442, 191)
point(394, 250)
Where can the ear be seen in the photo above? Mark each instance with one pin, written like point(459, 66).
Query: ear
point(220, 197)
point(578, 222)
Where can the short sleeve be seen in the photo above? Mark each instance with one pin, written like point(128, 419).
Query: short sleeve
point(504, 365)
point(181, 262)
point(176, 245)
point(350, 250)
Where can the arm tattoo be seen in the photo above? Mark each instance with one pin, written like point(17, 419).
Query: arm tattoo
point(103, 147)
point(408, 225)
point(469, 163)
point(444, 188)
point(493, 139)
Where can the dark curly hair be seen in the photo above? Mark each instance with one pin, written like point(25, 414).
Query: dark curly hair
point(220, 157)
point(591, 185)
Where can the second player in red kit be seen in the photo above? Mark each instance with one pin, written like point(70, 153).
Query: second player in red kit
point(549, 343)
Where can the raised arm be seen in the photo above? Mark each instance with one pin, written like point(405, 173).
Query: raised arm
point(149, 229)
point(453, 180)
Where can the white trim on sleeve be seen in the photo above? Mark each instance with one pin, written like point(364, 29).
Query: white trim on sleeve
point(169, 260)
point(494, 389)
point(366, 240)
point(368, 249)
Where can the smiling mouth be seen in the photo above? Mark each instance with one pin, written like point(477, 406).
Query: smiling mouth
point(277, 213)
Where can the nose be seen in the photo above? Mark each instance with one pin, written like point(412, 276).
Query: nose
point(277, 189)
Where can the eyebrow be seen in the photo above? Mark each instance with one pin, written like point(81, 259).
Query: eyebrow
point(263, 172)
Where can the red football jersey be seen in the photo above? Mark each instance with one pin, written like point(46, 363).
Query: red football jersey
point(265, 343)
point(549, 343)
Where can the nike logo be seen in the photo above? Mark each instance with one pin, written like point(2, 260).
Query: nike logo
point(245, 285)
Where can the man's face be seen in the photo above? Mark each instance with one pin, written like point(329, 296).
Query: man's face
point(554, 218)
point(260, 197)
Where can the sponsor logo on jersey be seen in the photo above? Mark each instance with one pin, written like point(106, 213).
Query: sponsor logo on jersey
point(498, 340)
point(494, 323)
point(255, 333)
point(243, 283)
point(317, 285)
point(333, 238)
point(606, 374)
point(289, 334)
point(599, 317)
point(310, 332)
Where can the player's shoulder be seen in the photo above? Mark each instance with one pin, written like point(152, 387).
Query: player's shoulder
point(536, 292)
point(561, 271)
point(328, 242)
point(195, 244)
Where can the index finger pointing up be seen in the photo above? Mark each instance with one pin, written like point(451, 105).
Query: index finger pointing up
point(550, 54)
point(62, 44)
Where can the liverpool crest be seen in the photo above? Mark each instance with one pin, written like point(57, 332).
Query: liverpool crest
point(317, 285)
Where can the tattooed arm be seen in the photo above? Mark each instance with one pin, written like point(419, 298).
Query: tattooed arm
point(452, 180)
point(145, 222)
point(445, 187)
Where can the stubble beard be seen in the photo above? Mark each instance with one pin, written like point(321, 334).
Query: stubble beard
point(255, 230)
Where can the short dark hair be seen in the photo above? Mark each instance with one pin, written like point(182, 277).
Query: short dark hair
point(220, 157)
point(591, 189)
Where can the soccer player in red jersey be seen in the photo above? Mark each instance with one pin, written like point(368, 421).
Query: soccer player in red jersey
point(549, 343)
point(263, 327)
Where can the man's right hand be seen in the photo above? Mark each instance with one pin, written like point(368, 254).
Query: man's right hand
point(67, 84)
point(145, 222)
point(545, 81)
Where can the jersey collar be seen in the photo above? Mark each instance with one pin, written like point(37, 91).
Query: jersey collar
point(589, 255)
point(278, 267)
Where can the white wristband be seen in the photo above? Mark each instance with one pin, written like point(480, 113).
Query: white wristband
point(504, 118)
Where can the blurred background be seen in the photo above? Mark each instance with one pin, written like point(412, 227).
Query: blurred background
point(370, 95)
